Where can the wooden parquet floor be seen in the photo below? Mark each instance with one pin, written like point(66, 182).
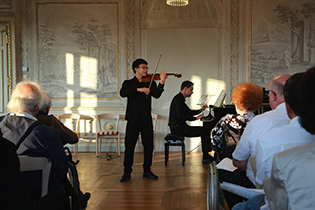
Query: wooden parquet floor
point(178, 187)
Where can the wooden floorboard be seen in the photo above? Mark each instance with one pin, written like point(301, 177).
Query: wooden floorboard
point(178, 187)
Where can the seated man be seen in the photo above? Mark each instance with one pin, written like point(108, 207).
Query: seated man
point(180, 113)
point(260, 124)
point(33, 138)
point(292, 178)
point(66, 135)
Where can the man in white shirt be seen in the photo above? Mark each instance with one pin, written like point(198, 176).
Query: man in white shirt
point(246, 147)
point(292, 177)
point(260, 124)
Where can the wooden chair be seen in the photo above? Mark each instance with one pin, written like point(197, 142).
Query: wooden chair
point(154, 120)
point(28, 163)
point(72, 121)
point(86, 128)
point(108, 129)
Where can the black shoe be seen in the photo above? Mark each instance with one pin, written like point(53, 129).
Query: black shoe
point(125, 177)
point(81, 202)
point(207, 160)
point(149, 175)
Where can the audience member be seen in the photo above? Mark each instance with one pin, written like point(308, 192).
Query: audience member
point(260, 124)
point(33, 138)
point(66, 135)
point(12, 187)
point(247, 98)
point(281, 138)
point(180, 113)
point(292, 176)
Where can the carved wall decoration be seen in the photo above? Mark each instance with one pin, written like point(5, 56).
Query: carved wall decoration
point(234, 39)
point(24, 28)
point(282, 38)
point(5, 4)
point(78, 50)
point(130, 18)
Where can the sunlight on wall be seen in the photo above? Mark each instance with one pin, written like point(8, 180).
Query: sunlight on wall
point(197, 92)
point(69, 68)
point(197, 80)
point(70, 96)
point(91, 102)
point(88, 72)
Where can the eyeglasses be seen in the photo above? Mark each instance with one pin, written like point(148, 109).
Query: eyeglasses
point(144, 67)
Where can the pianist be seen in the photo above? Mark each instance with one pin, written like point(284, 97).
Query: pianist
point(180, 113)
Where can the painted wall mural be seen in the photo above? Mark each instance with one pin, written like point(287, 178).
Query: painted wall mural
point(282, 38)
point(78, 49)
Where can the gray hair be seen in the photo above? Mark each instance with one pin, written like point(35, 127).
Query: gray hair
point(25, 99)
point(45, 103)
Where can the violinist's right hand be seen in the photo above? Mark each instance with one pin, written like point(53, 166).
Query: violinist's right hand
point(144, 90)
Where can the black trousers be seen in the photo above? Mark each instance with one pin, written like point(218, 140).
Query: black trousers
point(236, 177)
point(132, 132)
point(195, 131)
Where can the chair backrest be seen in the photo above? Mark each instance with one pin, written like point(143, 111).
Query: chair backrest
point(86, 131)
point(28, 163)
point(108, 122)
point(72, 121)
point(154, 118)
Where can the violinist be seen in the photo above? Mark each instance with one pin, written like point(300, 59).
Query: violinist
point(138, 116)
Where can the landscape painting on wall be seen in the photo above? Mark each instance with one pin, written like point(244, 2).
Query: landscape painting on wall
point(282, 38)
point(78, 49)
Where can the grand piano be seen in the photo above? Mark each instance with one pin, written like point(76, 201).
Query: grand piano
point(217, 111)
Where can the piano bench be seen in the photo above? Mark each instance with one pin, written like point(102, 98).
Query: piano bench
point(174, 140)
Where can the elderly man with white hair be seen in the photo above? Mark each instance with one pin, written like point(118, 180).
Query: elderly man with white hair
point(33, 138)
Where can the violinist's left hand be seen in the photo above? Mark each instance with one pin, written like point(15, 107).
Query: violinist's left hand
point(163, 77)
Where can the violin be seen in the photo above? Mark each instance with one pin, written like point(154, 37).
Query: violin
point(148, 78)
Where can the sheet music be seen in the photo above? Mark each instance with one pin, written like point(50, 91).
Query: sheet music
point(226, 164)
point(241, 191)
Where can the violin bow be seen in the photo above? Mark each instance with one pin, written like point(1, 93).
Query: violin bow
point(155, 71)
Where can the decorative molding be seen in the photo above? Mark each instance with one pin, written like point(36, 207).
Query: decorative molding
point(234, 42)
point(24, 28)
point(130, 23)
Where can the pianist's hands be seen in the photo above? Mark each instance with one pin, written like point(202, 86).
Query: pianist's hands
point(199, 117)
point(204, 107)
